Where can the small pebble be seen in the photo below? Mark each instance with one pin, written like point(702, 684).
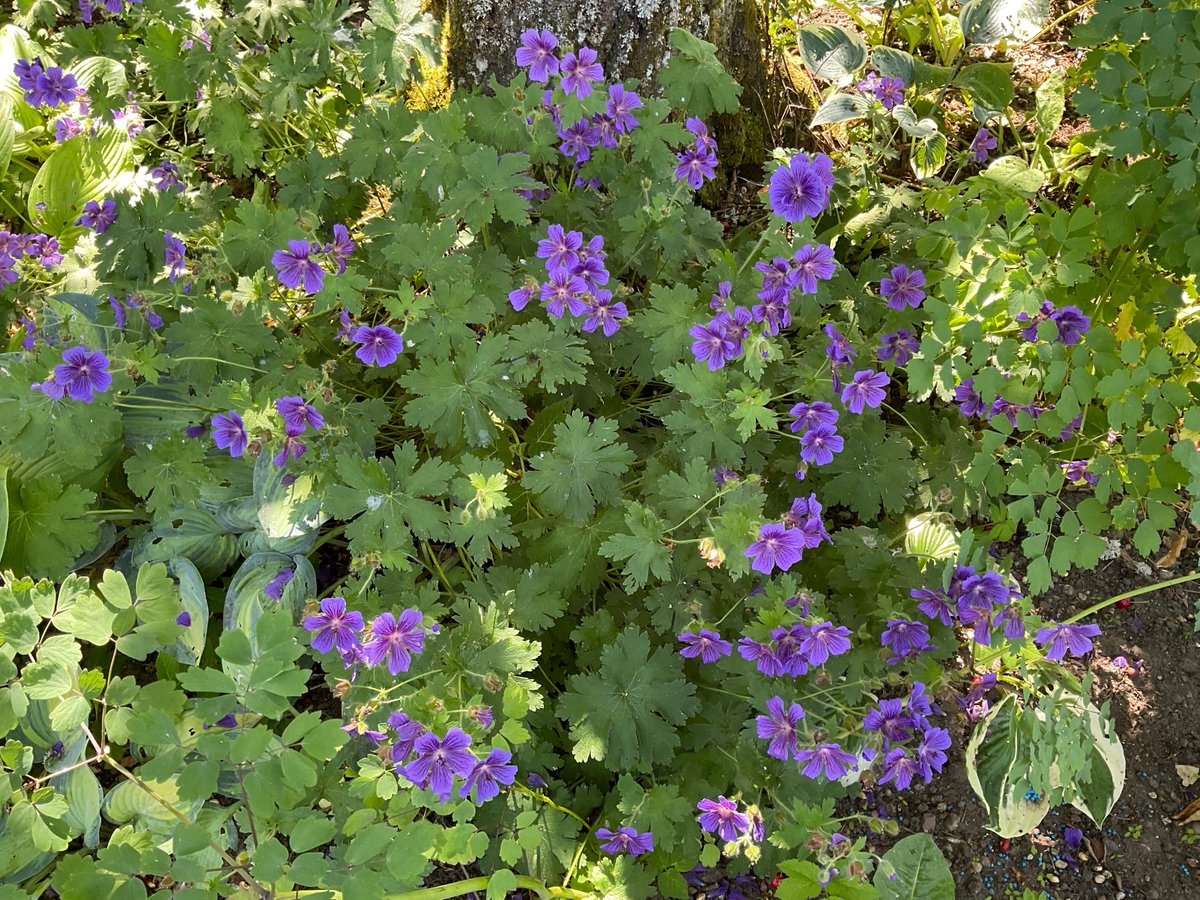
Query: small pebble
point(1099, 879)
point(1120, 895)
point(1060, 864)
point(1053, 879)
point(1153, 796)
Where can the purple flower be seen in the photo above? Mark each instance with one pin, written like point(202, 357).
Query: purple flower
point(825, 640)
point(53, 87)
point(166, 177)
point(713, 342)
point(774, 309)
point(899, 768)
point(777, 547)
point(184, 619)
point(721, 817)
point(779, 727)
point(762, 655)
point(297, 415)
point(930, 753)
point(620, 106)
point(888, 91)
point(722, 474)
point(98, 216)
point(905, 638)
point(521, 296)
point(696, 166)
point(866, 389)
point(83, 373)
point(1063, 639)
point(407, 732)
point(625, 840)
point(229, 432)
point(982, 590)
point(295, 266)
point(334, 626)
point(1073, 837)
point(1076, 472)
point(981, 144)
point(482, 715)
point(380, 345)
point(564, 292)
point(560, 249)
point(813, 264)
point(830, 759)
point(292, 448)
point(838, 350)
point(341, 248)
point(901, 344)
point(969, 402)
point(439, 760)
point(66, 128)
point(174, 256)
point(934, 603)
point(1072, 324)
point(395, 639)
point(697, 127)
point(819, 443)
point(536, 53)
point(578, 72)
point(890, 720)
point(799, 189)
point(1009, 619)
point(487, 775)
point(282, 579)
point(578, 140)
point(903, 288)
point(45, 249)
point(811, 415)
point(708, 645)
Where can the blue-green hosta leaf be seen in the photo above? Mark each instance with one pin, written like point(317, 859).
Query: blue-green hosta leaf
point(914, 869)
point(831, 52)
point(840, 108)
point(989, 21)
point(84, 797)
point(289, 507)
point(3, 507)
point(129, 803)
point(190, 645)
point(194, 534)
point(245, 600)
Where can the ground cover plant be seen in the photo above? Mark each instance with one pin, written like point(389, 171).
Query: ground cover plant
point(410, 498)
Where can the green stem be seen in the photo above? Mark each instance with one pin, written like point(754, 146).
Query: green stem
point(1070, 12)
point(454, 889)
point(1104, 604)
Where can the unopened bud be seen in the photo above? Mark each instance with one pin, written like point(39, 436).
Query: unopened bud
point(712, 555)
point(493, 683)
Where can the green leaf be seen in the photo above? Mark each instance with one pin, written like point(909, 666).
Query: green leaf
point(641, 547)
point(48, 527)
point(490, 189)
point(831, 53)
point(628, 713)
point(3, 495)
point(694, 79)
point(990, 21)
point(556, 356)
point(840, 108)
point(1013, 172)
point(920, 869)
point(989, 84)
point(583, 470)
point(8, 132)
point(931, 538)
point(231, 136)
point(500, 884)
point(994, 759)
point(87, 167)
point(1051, 104)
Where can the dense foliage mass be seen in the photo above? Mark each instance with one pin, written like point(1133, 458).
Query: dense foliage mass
point(391, 487)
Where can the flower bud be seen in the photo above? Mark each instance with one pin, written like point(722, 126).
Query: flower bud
point(712, 555)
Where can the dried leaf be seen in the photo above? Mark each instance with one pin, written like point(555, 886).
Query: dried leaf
point(1187, 774)
point(1189, 814)
point(1171, 557)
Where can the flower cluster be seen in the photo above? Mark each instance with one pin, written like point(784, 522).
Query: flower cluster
point(136, 303)
point(698, 163)
point(899, 721)
point(81, 375)
point(391, 638)
point(87, 7)
point(1072, 323)
point(799, 188)
point(816, 423)
point(780, 546)
point(15, 246)
point(600, 130)
point(576, 72)
point(575, 278)
point(723, 818)
point(295, 267)
point(47, 86)
point(971, 404)
point(794, 649)
point(888, 91)
point(437, 762)
point(982, 602)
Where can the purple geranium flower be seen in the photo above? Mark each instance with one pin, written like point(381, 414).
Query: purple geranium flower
point(903, 288)
point(44, 248)
point(811, 415)
point(866, 389)
point(829, 759)
point(899, 768)
point(560, 249)
point(282, 579)
point(521, 296)
point(890, 720)
point(380, 345)
point(1011, 622)
point(901, 344)
point(298, 415)
point(981, 144)
point(838, 350)
point(564, 292)
point(707, 644)
point(697, 127)
point(799, 188)
point(397, 639)
point(888, 91)
point(174, 256)
point(579, 71)
point(930, 752)
point(98, 216)
point(53, 87)
point(1072, 324)
point(713, 342)
point(334, 626)
point(229, 432)
point(819, 443)
point(488, 774)
point(777, 547)
point(83, 373)
point(295, 267)
point(825, 640)
point(292, 448)
point(696, 165)
point(779, 727)
point(66, 128)
point(407, 732)
point(905, 638)
point(721, 816)
point(969, 402)
point(1063, 639)
point(620, 106)
point(166, 177)
point(341, 248)
point(536, 53)
point(625, 840)
point(439, 760)
point(813, 264)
